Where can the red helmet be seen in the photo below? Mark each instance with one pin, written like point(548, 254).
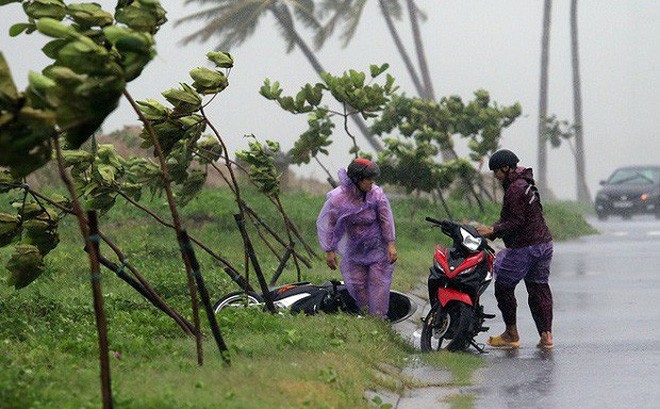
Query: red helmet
point(361, 168)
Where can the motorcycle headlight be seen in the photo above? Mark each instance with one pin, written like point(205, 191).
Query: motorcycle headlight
point(470, 242)
point(468, 271)
point(437, 267)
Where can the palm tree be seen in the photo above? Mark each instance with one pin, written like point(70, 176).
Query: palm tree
point(583, 194)
point(413, 13)
point(350, 12)
point(234, 21)
point(542, 175)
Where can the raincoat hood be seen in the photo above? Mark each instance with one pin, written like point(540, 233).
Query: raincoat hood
point(519, 173)
point(348, 186)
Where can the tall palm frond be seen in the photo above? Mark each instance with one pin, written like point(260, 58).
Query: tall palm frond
point(234, 21)
point(348, 13)
point(304, 11)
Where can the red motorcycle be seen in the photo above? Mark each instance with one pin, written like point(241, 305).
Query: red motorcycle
point(460, 274)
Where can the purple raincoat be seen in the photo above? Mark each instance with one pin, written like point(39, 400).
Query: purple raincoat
point(359, 227)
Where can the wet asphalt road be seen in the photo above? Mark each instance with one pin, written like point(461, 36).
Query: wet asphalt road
point(606, 292)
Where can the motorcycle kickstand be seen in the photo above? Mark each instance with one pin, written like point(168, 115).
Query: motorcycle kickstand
point(479, 347)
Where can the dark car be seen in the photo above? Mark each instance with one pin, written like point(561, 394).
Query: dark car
point(628, 191)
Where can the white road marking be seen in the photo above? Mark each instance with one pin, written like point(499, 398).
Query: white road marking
point(653, 233)
point(620, 233)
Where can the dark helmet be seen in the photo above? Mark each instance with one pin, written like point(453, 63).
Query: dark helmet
point(361, 168)
point(502, 158)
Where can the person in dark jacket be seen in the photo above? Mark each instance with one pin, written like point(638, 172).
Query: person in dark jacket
point(528, 251)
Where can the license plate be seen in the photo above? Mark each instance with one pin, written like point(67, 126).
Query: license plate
point(622, 204)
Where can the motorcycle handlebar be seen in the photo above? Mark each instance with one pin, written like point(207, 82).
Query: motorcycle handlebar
point(432, 220)
point(446, 225)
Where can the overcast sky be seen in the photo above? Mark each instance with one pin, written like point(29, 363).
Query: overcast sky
point(491, 44)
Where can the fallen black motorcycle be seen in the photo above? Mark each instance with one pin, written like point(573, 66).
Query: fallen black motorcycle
point(305, 297)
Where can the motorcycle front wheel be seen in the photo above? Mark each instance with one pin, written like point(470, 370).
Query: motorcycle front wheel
point(238, 299)
point(448, 328)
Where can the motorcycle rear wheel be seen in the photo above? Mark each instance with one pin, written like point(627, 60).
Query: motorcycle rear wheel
point(448, 328)
point(238, 299)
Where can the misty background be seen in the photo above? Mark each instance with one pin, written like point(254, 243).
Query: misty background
point(495, 45)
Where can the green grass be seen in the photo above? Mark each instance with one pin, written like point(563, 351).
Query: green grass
point(48, 352)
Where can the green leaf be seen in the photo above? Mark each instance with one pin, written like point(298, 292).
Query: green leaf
point(8, 91)
point(89, 15)
point(8, 228)
point(76, 157)
point(210, 149)
point(18, 28)
point(52, 48)
point(107, 172)
point(54, 28)
point(127, 40)
point(208, 81)
point(191, 186)
point(37, 9)
point(101, 202)
point(25, 142)
point(153, 110)
point(41, 234)
point(184, 100)
point(26, 265)
point(220, 59)
point(269, 91)
point(141, 15)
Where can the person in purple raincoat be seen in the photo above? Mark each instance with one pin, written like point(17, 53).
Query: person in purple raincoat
point(528, 251)
point(356, 222)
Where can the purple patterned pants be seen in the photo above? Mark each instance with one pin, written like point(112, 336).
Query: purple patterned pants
point(369, 285)
point(532, 264)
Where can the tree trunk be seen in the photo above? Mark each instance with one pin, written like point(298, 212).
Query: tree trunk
point(285, 21)
point(402, 50)
point(542, 174)
point(429, 93)
point(583, 194)
point(421, 56)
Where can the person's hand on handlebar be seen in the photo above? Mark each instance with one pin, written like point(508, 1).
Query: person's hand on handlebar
point(486, 231)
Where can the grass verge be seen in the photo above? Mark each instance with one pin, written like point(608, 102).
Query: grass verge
point(48, 352)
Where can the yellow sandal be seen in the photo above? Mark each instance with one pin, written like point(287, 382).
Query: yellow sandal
point(497, 342)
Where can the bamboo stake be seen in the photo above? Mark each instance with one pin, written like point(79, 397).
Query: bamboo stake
point(229, 268)
point(156, 301)
point(288, 233)
point(280, 268)
point(176, 220)
point(254, 214)
point(240, 219)
point(185, 325)
point(255, 263)
point(101, 327)
point(186, 247)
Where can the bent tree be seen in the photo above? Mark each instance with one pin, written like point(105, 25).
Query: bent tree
point(94, 55)
point(417, 130)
